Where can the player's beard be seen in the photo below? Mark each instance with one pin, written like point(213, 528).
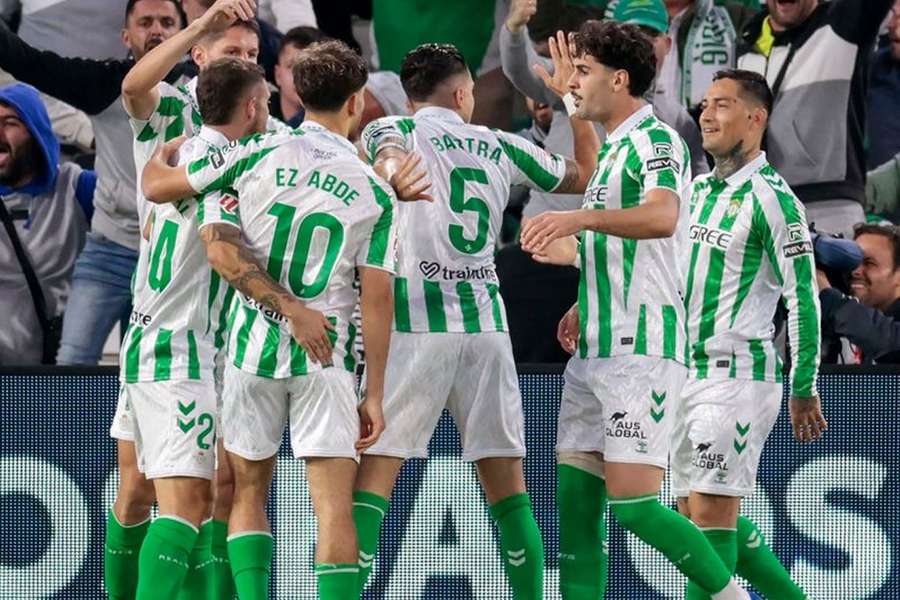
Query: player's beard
point(21, 162)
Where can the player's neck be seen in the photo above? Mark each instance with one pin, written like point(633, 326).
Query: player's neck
point(417, 106)
point(621, 113)
point(231, 131)
point(734, 160)
point(333, 122)
point(289, 109)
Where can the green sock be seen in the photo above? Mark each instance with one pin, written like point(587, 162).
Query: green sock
point(223, 582)
point(521, 546)
point(676, 537)
point(164, 558)
point(369, 511)
point(583, 557)
point(724, 542)
point(337, 581)
point(120, 557)
point(758, 564)
point(198, 585)
point(250, 553)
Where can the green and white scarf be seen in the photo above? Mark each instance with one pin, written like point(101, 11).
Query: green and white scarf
point(710, 48)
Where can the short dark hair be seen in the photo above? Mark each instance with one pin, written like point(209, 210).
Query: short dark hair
point(327, 73)
point(426, 66)
point(752, 84)
point(250, 25)
point(889, 232)
point(619, 46)
point(222, 86)
point(129, 8)
point(300, 37)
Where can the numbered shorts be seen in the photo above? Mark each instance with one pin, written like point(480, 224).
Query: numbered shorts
point(473, 375)
point(720, 433)
point(174, 427)
point(319, 408)
point(623, 407)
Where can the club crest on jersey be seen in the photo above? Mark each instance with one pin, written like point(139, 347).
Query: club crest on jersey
point(228, 203)
point(734, 207)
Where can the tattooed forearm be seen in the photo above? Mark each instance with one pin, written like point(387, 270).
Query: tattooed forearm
point(569, 183)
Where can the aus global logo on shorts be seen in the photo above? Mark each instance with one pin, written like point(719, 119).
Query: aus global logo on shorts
point(708, 460)
point(621, 427)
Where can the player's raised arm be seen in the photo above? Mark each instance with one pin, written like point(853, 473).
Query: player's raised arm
point(139, 93)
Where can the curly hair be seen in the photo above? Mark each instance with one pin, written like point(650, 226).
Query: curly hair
point(619, 46)
point(327, 73)
point(427, 66)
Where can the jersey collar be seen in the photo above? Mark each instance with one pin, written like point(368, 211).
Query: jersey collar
point(313, 127)
point(212, 137)
point(744, 173)
point(636, 118)
point(438, 112)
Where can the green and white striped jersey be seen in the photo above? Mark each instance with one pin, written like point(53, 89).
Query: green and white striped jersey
point(629, 296)
point(311, 212)
point(446, 276)
point(179, 303)
point(749, 247)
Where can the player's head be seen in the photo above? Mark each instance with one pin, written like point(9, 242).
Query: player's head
point(234, 93)
point(651, 18)
point(240, 40)
point(735, 112)
point(148, 23)
point(330, 78)
point(292, 43)
point(437, 74)
point(613, 62)
point(541, 114)
point(876, 282)
point(786, 14)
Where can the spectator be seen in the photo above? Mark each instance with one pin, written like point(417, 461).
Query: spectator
point(101, 284)
point(815, 57)
point(285, 103)
point(884, 96)
point(44, 207)
point(870, 319)
point(288, 14)
point(519, 55)
point(60, 26)
point(541, 118)
point(883, 190)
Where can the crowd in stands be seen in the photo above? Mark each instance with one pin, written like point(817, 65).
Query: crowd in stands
point(70, 234)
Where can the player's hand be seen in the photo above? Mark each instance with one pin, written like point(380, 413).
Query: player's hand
point(167, 154)
point(806, 418)
point(563, 251)
point(410, 181)
point(562, 49)
point(540, 231)
point(310, 329)
point(567, 330)
point(223, 13)
point(520, 12)
point(371, 422)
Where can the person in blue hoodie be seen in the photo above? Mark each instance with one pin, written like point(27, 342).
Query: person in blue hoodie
point(45, 208)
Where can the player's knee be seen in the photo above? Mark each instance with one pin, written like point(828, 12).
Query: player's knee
point(135, 496)
point(707, 510)
point(684, 507)
point(629, 516)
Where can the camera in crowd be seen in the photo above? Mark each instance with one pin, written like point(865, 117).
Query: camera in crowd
point(835, 256)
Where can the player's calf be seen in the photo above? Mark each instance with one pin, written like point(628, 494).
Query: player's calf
point(331, 488)
point(375, 480)
point(250, 544)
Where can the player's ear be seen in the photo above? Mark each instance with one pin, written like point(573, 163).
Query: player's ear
point(459, 97)
point(198, 55)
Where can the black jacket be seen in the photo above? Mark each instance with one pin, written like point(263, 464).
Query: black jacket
point(875, 333)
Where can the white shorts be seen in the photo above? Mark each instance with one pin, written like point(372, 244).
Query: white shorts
point(623, 407)
point(473, 375)
point(320, 409)
point(174, 428)
point(720, 433)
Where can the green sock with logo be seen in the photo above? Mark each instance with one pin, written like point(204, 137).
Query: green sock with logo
point(165, 558)
point(223, 581)
point(521, 546)
point(583, 557)
point(369, 511)
point(250, 553)
point(337, 581)
point(758, 564)
point(677, 538)
point(724, 542)
point(199, 582)
point(120, 557)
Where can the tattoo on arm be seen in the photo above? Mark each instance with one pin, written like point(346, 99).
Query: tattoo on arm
point(569, 182)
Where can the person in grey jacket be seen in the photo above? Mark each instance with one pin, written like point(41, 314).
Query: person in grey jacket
point(101, 286)
point(518, 57)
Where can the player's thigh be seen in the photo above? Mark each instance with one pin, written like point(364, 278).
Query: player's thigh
point(254, 412)
point(175, 433)
point(418, 377)
point(485, 401)
point(640, 397)
point(579, 428)
point(331, 484)
point(323, 418)
point(726, 425)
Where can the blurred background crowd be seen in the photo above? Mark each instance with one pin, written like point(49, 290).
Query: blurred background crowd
point(67, 178)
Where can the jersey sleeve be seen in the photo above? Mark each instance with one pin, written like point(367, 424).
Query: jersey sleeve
point(531, 166)
point(780, 222)
point(173, 116)
point(219, 170)
point(388, 132)
point(379, 245)
point(661, 160)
